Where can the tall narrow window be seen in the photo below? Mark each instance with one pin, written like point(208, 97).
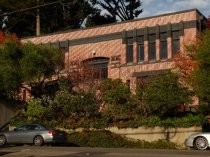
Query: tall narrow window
point(163, 46)
point(152, 47)
point(175, 42)
point(140, 49)
point(129, 51)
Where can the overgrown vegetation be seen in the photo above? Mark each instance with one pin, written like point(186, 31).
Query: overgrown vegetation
point(26, 64)
point(164, 93)
point(104, 138)
point(115, 107)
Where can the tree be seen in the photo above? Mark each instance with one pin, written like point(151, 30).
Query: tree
point(207, 23)
point(21, 23)
point(185, 63)
point(26, 63)
point(10, 56)
point(4, 37)
point(39, 64)
point(200, 77)
point(54, 15)
point(164, 93)
point(97, 19)
point(121, 9)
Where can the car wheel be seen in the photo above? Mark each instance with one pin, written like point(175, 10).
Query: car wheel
point(3, 140)
point(38, 141)
point(201, 143)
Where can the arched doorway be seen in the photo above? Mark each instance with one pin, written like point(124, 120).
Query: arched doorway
point(96, 68)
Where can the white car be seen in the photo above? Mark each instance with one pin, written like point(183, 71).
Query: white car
point(200, 141)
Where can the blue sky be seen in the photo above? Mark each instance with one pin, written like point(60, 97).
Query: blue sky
point(157, 7)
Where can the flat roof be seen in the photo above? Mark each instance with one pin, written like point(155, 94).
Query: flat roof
point(116, 23)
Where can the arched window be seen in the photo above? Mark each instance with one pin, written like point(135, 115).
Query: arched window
point(96, 68)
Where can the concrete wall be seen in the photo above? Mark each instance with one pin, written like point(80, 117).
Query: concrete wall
point(176, 135)
point(6, 112)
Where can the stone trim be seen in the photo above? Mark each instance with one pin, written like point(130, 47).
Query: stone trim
point(129, 34)
point(113, 24)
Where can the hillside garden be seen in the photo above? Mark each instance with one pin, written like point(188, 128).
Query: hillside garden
point(162, 101)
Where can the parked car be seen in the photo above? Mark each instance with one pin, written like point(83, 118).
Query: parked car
point(198, 141)
point(36, 134)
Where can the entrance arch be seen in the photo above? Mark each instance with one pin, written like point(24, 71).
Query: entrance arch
point(96, 68)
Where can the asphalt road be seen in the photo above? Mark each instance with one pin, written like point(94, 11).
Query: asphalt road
point(45, 151)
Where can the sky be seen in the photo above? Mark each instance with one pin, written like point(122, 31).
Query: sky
point(158, 7)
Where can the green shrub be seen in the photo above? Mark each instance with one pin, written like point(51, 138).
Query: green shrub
point(104, 138)
point(164, 93)
point(101, 138)
point(18, 121)
point(162, 144)
point(204, 108)
point(83, 104)
point(114, 91)
point(35, 108)
point(185, 121)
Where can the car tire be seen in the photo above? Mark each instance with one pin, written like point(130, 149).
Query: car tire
point(200, 143)
point(3, 140)
point(38, 141)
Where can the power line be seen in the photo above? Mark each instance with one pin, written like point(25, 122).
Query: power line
point(63, 3)
point(27, 9)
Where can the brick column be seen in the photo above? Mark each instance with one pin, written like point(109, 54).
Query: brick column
point(133, 85)
point(135, 52)
point(146, 51)
point(169, 41)
point(181, 43)
point(157, 49)
point(123, 56)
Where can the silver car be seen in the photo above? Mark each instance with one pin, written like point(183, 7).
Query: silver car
point(198, 141)
point(36, 134)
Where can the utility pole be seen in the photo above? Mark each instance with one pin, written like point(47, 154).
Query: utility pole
point(37, 20)
point(61, 2)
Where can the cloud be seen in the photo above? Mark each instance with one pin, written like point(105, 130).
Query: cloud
point(148, 2)
point(157, 7)
point(183, 4)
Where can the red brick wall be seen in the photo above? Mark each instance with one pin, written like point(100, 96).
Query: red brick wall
point(115, 47)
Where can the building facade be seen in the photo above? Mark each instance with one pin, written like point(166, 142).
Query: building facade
point(131, 50)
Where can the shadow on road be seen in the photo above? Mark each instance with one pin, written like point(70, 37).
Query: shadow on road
point(5, 153)
point(85, 154)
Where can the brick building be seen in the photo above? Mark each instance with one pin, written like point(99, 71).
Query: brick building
point(130, 50)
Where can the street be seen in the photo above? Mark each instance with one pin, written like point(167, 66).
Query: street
point(46, 151)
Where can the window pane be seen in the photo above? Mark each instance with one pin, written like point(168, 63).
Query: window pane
point(152, 46)
point(129, 54)
point(140, 52)
point(163, 50)
point(176, 46)
point(152, 51)
point(175, 42)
